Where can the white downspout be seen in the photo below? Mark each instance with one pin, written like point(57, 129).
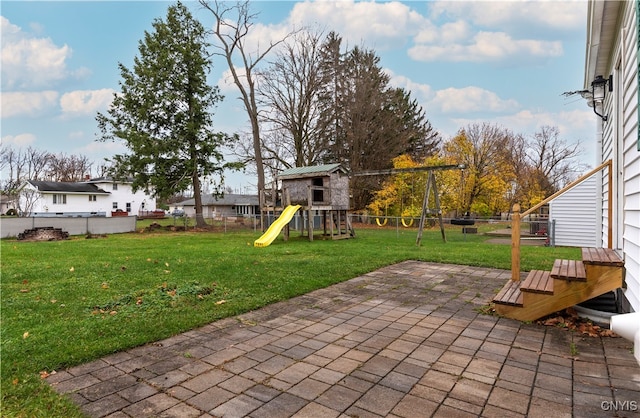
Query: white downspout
point(599, 182)
point(628, 327)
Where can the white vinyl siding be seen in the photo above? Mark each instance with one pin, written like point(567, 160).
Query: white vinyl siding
point(630, 157)
point(574, 216)
point(620, 144)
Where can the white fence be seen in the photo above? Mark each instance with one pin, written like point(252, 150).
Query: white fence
point(11, 227)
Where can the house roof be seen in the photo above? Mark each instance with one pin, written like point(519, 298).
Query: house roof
point(229, 199)
point(66, 187)
point(109, 180)
point(602, 23)
point(311, 171)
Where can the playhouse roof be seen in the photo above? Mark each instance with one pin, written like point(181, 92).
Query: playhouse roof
point(311, 171)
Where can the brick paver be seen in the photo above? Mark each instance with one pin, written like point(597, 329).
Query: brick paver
point(406, 340)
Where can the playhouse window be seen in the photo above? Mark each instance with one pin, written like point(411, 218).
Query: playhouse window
point(318, 194)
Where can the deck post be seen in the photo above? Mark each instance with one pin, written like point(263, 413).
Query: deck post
point(515, 243)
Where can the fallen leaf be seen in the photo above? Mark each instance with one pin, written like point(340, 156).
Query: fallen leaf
point(113, 313)
point(166, 264)
point(44, 374)
point(105, 285)
point(220, 302)
point(72, 269)
point(25, 335)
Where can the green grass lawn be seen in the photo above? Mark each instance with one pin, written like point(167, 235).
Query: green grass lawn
point(68, 302)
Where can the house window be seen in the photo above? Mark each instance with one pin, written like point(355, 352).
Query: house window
point(115, 186)
point(114, 205)
point(129, 207)
point(92, 198)
point(59, 199)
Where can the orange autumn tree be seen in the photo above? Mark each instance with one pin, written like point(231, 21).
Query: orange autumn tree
point(488, 177)
point(402, 194)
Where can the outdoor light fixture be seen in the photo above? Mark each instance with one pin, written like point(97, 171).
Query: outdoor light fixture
point(599, 91)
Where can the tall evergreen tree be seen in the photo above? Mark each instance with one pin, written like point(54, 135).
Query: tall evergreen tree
point(366, 122)
point(164, 112)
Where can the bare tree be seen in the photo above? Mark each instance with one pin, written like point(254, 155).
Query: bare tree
point(555, 162)
point(289, 89)
point(23, 164)
point(231, 27)
point(68, 168)
point(37, 163)
point(12, 160)
point(27, 198)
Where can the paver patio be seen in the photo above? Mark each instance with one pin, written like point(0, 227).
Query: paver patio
point(408, 340)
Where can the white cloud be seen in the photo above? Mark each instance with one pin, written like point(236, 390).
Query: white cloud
point(29, 62)
point(22, 140)
point(486, 46)
point(377, 25)
point(471, 99)
point(419, 91)
point(226, 84)
point(28, 103)
point(85, 102)
point(516, 15)
point(99, 150)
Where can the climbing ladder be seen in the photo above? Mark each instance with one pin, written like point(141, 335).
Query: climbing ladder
point(568, 283)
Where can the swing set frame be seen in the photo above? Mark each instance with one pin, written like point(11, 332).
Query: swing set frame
point(431, 184)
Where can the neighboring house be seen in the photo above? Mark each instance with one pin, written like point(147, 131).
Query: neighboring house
point(123, 198)
point(573, 216)
point(228, 205)
point(612, 53)
point(94, 197)
point(7, 203)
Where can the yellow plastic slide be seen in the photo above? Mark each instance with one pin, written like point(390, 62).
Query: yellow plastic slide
point(274, 230)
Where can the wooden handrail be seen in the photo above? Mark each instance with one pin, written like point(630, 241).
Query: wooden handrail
point(568, 187)
point(517, 216)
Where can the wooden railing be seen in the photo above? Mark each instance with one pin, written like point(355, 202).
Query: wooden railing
point(517, 216)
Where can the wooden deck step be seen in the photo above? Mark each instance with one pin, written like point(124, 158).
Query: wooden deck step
point(538, 281)
point(510, 294)
point(601, 256)
point(569, 270)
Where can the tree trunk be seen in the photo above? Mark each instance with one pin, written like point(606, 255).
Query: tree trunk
point(197, 197)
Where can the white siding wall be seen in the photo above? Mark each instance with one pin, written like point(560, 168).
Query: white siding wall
point(75, 203)
point(631, 157)
point(575, 215)
point(124, 194)
point(104, 204)
point(620, 143)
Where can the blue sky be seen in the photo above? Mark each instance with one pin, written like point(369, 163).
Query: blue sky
point(501, 62)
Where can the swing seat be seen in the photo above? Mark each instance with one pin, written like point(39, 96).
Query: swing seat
point(461, 221)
